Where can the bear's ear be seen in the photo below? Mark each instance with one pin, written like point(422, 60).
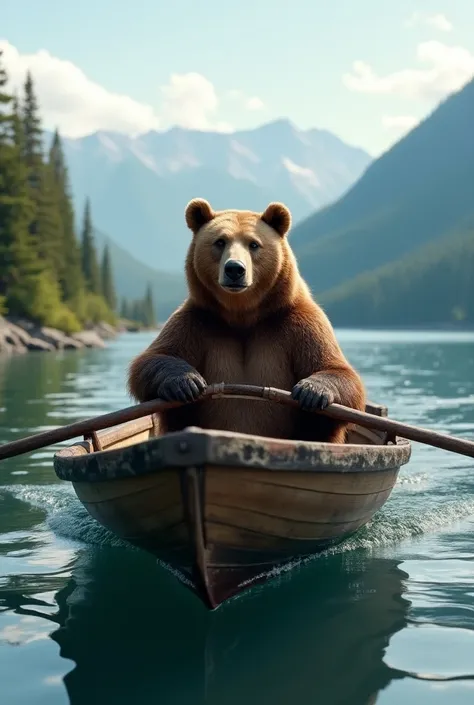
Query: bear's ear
point(278, 217)
point(198, 213)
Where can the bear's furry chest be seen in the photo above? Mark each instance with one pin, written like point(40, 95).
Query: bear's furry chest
point(261, 360)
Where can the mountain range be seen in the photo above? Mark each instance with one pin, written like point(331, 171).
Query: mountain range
point(139, 186)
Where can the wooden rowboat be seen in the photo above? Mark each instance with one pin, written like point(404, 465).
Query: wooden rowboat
point(225, 510)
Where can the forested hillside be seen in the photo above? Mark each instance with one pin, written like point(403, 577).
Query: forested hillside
point(419, 192)
point(433, 286)
point(47, 275)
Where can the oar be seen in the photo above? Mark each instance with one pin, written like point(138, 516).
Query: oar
point(335, 411)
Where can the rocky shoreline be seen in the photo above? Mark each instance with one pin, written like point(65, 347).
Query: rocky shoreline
point(20, 336)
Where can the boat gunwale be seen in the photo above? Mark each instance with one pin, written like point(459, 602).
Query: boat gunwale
point(198, 447)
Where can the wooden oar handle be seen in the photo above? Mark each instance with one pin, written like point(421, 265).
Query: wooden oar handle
point(248, 391)
point(335, 411)
point(346, 414)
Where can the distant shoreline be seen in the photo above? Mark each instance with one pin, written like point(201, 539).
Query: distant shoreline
point(19, 336)
point(427, 328)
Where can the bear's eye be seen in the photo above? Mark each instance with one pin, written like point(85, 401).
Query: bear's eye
point(254, 245)
point(220, 243)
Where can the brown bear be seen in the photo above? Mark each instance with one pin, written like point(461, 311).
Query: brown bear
point(249, 319)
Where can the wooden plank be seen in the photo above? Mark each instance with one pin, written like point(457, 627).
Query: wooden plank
point(283, 527)
point(239, 537)
point(109, 490)
point(173, 541)
point(332, 483)
point(121, 522)
point(291, 503)
point(116, 435)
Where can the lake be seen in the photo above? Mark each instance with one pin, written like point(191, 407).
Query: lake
point(386, 618)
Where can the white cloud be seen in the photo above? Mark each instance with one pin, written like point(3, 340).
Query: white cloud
point(255, 103)
point(190, 100)
point(402, 123)
point(440, 21)
point(447, 69)
point(437, 21)
point(249, 102)
point(72, 101)
point(79, 106)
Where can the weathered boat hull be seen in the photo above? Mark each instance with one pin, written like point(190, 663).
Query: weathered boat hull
point(225, 510)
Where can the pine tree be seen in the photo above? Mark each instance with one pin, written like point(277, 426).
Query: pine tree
point(49, 230)
point(137, 312)
point(72, 280)
point(5, 104)
point(19, 269)
point(90, 267)
point(46, 224)
point(124, 312)
point(149, 309)
point(18, 132)
point(108, 288)
point(5, 127)
point(33, 143)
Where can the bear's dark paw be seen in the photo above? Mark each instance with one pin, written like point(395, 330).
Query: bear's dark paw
point(186, 387)
point(312, 393)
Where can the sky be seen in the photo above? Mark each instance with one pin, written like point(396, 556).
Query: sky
point(365, 73)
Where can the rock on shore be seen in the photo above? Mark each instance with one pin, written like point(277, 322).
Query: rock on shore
point(20, 336)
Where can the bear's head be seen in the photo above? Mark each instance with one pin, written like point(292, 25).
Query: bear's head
point(237, 258)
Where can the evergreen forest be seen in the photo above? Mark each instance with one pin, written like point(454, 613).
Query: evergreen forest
point(49, 273)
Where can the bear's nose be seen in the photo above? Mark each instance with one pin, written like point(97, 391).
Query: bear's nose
point(234, 269)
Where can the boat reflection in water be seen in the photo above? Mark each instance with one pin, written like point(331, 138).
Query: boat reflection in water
point(314, 635)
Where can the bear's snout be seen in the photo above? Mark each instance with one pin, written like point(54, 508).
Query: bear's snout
point(235, 275)
point(234, 270)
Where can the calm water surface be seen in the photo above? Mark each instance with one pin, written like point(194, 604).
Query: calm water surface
point(387, 618)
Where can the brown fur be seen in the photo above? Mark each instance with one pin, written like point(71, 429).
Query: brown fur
point(270, 334)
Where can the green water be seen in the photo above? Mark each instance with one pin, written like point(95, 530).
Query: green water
point(388, 618)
